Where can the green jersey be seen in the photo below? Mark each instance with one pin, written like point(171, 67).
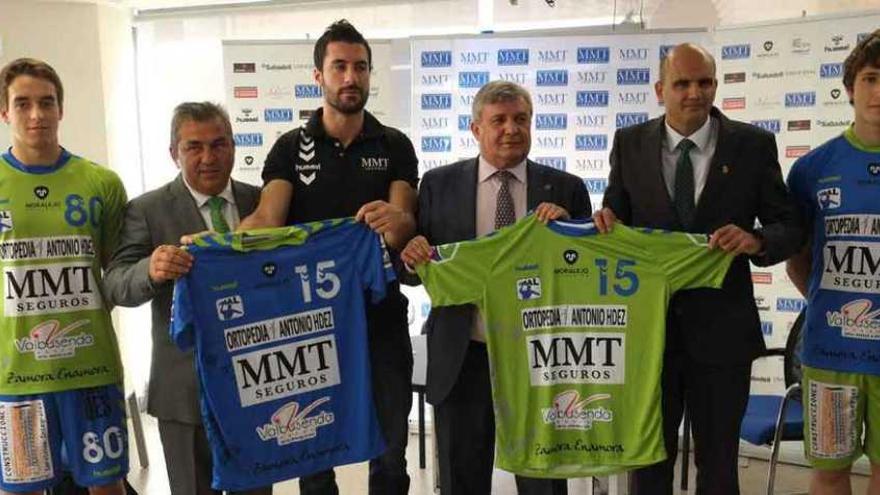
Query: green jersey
point(575, 324)
point(59, 225)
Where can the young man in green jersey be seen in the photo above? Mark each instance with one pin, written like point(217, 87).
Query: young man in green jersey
point(60, 373)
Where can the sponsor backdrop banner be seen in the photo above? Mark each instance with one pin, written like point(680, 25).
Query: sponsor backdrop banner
point(270, 90)
point(785, 77)
point(788, 79)
point(582, 88)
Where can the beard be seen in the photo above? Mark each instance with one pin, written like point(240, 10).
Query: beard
point(348, 107)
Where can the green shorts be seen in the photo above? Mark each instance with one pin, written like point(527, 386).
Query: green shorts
point(837, 407)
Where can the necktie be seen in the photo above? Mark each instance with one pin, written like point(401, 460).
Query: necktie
point(218, 221)
point(684, 184)
point(504, 212)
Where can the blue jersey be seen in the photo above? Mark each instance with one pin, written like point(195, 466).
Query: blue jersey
point(837, 186)
point(277, 320)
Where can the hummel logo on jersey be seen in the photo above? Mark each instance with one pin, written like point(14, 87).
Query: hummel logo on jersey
point(307, 171)
point(269, 269)
point(873, 169)
point(230, 308)
point(829, 198)
point(528, 288)
point(570, 256)
point(41, 192)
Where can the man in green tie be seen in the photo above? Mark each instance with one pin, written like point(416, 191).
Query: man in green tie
point(202, 197)
point(695, 170)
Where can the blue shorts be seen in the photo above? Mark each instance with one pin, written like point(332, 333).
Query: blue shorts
point(82, 431)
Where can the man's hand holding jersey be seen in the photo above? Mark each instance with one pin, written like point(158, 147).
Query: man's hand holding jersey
point(604, 220)
point(391, 221)
point(169, 263)
point(416, 252)
point(550, 211)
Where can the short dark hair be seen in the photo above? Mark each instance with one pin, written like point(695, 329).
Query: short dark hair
point(198, 111)
point(866, 53)
point(28, 67)
point(341, 30)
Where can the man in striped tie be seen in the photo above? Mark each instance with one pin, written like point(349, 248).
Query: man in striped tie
point(461, 201)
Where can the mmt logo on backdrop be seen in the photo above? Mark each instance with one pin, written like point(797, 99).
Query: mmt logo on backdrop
point(551, 56)
point(626, 119)
point(593, 55)
point(592, 77)
point(436, 144)
point(830, 71)
point(307, 91)
point(550, 142)
point(596, 186)
point(628, 54)
point(551, 78)
point(473, 58)
point(464, 122)
point(735, 52)
point(800, 99)
point(597, 98)
point(435, 79)
point(442, 58)
point(590, 120)
point(771, 125)
point(557, 162)
point(629, 77)
point(551, 121)
point(250, 139)
point(591, 142)
point(278, 115)
point(436, 101)
point(513, 56)
point(473, 79)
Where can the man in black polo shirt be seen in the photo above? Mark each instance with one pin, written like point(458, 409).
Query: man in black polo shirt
point(344, 162)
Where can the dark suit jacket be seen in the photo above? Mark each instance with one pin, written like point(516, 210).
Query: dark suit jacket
point(744, 183)
point(160, 217)
point(447, 213)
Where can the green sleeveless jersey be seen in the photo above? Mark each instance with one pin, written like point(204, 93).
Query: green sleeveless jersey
point(59, 225)
point(575, 324)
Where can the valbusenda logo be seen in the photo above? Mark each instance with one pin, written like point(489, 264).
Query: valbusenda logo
point(570, 411)
point(291, 424)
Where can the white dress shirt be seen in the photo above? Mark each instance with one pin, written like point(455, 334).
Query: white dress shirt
point(705, 138)
point(230, 211)
point(488, 185)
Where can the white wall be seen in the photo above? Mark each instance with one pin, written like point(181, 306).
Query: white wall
point(90, 46)
point(68, 41)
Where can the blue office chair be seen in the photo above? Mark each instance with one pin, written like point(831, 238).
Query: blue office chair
point(772, 419)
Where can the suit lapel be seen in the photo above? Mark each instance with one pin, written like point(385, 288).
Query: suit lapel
point(467, 196)
point(654, 146)
point(184, 205)
point(538, 189)
point(243, 199)
point(724, 155)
